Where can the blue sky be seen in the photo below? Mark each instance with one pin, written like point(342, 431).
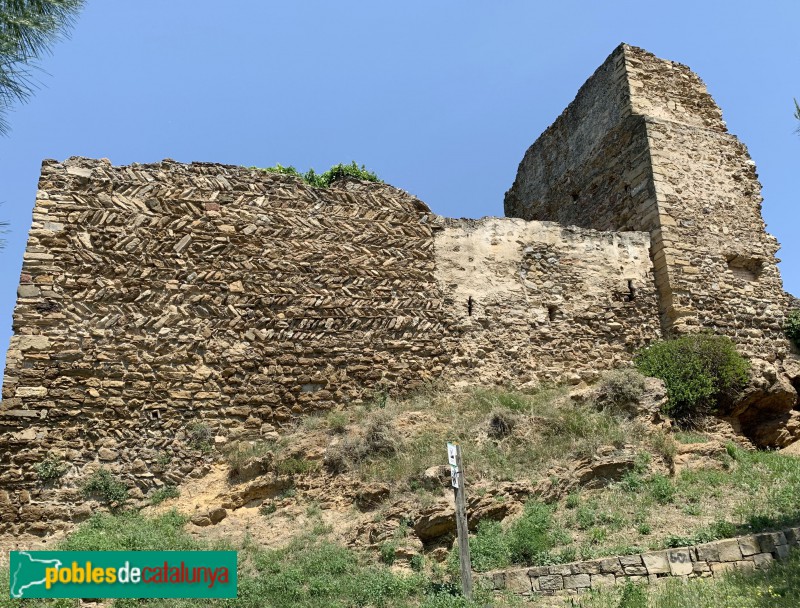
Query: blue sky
point(439, 98)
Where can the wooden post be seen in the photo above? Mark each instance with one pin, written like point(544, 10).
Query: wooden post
point(457, 468)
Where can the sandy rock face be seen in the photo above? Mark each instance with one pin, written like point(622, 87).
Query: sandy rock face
point(765, 409)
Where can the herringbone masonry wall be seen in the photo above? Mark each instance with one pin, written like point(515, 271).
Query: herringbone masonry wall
point(160, 296)
point(163, 306)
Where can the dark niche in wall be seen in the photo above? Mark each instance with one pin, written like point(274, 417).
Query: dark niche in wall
point(744, 267)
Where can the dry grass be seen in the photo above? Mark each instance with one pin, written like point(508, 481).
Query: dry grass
point(504, 435)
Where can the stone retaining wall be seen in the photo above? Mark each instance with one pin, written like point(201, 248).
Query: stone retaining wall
point(752, 552)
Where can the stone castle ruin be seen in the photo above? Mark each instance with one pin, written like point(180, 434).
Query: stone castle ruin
point(156, 297)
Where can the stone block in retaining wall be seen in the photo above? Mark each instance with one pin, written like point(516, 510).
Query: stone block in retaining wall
point(748, 545)
point(680, 562)
point(729, 550)
point(656, 563)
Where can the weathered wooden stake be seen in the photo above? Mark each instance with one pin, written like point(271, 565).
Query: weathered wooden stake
point(457, 468)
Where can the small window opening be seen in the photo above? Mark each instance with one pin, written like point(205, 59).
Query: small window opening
point(574, 196)
point(552, 311)
point(155, 414)
point(469, 306)
point(631, 291)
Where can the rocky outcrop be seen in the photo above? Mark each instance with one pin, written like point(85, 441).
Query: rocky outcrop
point(765, 408)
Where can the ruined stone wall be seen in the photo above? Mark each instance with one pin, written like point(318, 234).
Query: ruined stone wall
point(717, 261)
point(158, 297)
point(533, 302)
point(666, 165)
point(743, 554)
point(163, 306)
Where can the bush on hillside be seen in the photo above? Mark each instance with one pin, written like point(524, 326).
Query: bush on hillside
point(528, 540)
point(702, 372)
point(380, 439)
point(104, 486)
point(620, 388)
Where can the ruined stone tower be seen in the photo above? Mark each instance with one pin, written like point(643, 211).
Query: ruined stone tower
point(643, 147)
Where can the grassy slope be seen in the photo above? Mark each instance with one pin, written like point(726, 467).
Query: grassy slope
point(313, 573)
point(743, 491)
point(310, 572)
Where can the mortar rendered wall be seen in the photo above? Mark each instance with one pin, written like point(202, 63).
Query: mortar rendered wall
point(527, 303)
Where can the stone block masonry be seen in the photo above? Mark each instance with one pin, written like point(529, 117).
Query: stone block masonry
point(746, 553)
point(643, 147)
point(157, 297)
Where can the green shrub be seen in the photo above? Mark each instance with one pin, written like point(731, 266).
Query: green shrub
point(528, 540)
point(620, 388)
point(632, 482)
point(702, 372)
point(488, 547)
point(103, 486)
point(533, 535)
point(201, 437)
point(661, 489)
point(268, 508)
point(792, 326)
point(633, 596)
point(323, 180)
point(573, 500)
point(380, 439)
point(131, 531)
point(387, 552)
point(295, 466)
point(51, 468)
point(337, 422)
point(163, 494)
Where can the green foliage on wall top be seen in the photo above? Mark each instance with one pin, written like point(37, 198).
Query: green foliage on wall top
point(323, 180)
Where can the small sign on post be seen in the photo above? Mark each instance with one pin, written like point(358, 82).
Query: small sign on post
point(457, 476)
point(452, 458)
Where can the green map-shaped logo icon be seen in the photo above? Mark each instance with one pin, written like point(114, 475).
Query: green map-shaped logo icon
point(28, 571)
